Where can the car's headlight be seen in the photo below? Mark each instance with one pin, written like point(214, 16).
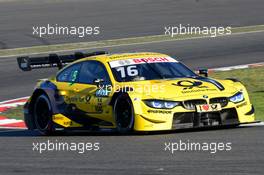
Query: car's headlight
point(160, 104)
point(238, 97)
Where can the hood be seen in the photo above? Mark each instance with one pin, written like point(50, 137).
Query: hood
point(184, 88)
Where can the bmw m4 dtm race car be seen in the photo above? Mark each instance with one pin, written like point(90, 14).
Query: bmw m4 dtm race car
point(130, 92)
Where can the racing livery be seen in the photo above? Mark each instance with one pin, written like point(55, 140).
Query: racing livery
point(130, 92)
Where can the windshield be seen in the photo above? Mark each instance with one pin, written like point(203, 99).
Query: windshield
point(125, 71)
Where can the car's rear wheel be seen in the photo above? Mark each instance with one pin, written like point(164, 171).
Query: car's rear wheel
point(124, 113)
point(43, 115)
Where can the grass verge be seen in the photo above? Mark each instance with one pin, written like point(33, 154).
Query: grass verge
point(253, 79)
point(14, 113)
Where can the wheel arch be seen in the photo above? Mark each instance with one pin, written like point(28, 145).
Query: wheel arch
point(50, 93)
point(29, 118)
point(125, 90)
point(34, 96)
point(113, 101)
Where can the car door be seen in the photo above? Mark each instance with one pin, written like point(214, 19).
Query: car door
point(100, 93)
point(66, 82)
point(95, 93)
point(77, 85)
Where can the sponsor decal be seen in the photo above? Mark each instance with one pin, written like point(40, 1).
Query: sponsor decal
point(99, 106)
point(192, 86)
point(133, 61)
point(241, 105)
point(102, 93)
point(78, 99)
point(67, 123)
point(74, 77)
point(159, 111)
point(197, 90)
point(187, 84)
point(151, 60)
point(208, 107)
point(148, 126)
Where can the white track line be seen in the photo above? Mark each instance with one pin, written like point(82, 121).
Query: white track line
point(242, 66)
point(252, 124)
point(10, 121)
point(127, 44)
point(9, 101)
point(12, 104)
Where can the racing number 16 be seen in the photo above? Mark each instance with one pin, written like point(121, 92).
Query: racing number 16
point(130, 71)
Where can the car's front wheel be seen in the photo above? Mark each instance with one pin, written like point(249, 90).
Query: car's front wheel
point(43, 115)
point(124, 113)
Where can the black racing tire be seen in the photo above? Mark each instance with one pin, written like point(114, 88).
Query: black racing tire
point(235, 125)
point(42, 114)
point(29, 121)
point(124, 113)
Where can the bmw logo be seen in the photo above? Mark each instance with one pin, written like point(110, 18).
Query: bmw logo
point(205, 96)
point(121, 62)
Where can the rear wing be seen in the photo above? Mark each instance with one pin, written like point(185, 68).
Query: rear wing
point(53, 60)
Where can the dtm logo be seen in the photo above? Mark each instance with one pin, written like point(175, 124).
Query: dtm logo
point(189, 84)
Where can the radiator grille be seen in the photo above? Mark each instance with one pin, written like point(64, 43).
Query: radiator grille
point(222, 100)
point(190, 104)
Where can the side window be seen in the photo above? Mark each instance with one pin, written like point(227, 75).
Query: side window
point(70, 74)
point(92, 70)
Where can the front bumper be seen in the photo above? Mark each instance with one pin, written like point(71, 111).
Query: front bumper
point(178, 118)
point(194, 119)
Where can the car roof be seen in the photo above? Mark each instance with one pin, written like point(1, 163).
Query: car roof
point(123, 56)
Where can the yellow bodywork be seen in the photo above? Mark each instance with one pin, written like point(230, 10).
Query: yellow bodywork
point(145, 117)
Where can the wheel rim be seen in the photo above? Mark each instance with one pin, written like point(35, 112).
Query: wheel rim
point(42, 114)
point(123, 113)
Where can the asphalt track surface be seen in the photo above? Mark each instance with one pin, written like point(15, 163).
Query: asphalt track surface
point(118, 18)
point(133, 154)
point(196, 53)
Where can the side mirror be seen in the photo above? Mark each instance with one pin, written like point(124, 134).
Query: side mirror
point(203, 72)
point(98, 81)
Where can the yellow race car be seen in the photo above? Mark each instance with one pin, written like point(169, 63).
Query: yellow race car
point(130, 92)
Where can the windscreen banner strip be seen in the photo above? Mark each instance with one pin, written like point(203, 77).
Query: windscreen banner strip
point(133, 61)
